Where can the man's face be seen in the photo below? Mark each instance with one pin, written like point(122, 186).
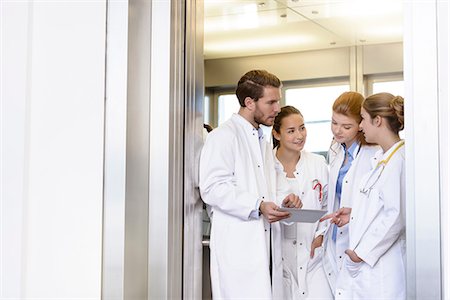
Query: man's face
point(268, 106)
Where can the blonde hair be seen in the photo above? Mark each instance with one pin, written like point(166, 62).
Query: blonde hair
point(386, 106)
point(349, 105)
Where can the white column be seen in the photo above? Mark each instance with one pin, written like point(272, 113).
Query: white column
point(443, 62)
point(52, 93)
point(14, 110)
point(423, 54)
point(158, 280)
point(113, 276)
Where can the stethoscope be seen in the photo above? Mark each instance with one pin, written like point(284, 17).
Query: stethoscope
point(366, 190)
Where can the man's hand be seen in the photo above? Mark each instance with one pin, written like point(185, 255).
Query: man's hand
point(271, 213)
point(316, 244)
point(292, 201)
point(339, 217)
point(353, 256)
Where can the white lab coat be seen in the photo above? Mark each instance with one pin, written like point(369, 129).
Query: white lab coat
point(235, 171)
point(304, 278)
point(334, 251)
point(377, 234)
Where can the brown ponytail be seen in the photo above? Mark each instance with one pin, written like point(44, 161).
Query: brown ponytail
point(387, 106)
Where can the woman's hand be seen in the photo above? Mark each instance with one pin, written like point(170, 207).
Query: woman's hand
point(353, 256)
point(317, 242)
point(292, 201)
point(339, 217)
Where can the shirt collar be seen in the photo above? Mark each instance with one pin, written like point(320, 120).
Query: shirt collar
point(353, 149)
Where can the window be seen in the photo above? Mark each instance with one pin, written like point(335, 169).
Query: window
point(390, 84)
point(315, 104)
point(206, 109)
point(396, 88)
point(228, 105)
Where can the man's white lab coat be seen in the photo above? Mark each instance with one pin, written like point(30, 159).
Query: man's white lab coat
point(237, 169)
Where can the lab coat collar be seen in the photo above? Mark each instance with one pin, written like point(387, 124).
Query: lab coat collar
point(279, 165)
point(379, 155)
point(248, 127)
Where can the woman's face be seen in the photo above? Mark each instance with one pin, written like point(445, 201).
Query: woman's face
point(345, 129)
point(367, 127)
point(292, 134)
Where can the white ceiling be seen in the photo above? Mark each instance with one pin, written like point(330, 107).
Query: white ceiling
point(253, 27)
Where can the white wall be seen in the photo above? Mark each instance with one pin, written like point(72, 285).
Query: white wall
point(443, 31)
point(427, 148)
point(375, 59)
point(52, 106)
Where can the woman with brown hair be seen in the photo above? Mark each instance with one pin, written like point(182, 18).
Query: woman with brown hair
point(304, 174)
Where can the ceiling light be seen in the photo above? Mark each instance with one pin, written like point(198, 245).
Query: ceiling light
point(255, 43)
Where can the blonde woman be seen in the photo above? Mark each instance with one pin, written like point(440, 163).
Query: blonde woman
point(349, 158)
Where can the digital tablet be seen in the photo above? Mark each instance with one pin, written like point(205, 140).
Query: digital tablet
point(303, 215)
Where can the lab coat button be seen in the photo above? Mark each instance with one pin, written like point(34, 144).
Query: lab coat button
point(294, 242)
point(258, 166)
point(301, 244)
point(341, 232)
point(329, 274)
point(301, 268)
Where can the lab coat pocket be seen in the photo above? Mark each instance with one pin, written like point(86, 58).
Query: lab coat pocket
point(290, 286)
point(352, 267)
point(316, 260)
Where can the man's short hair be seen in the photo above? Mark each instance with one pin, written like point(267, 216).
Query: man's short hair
point(252, 85)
